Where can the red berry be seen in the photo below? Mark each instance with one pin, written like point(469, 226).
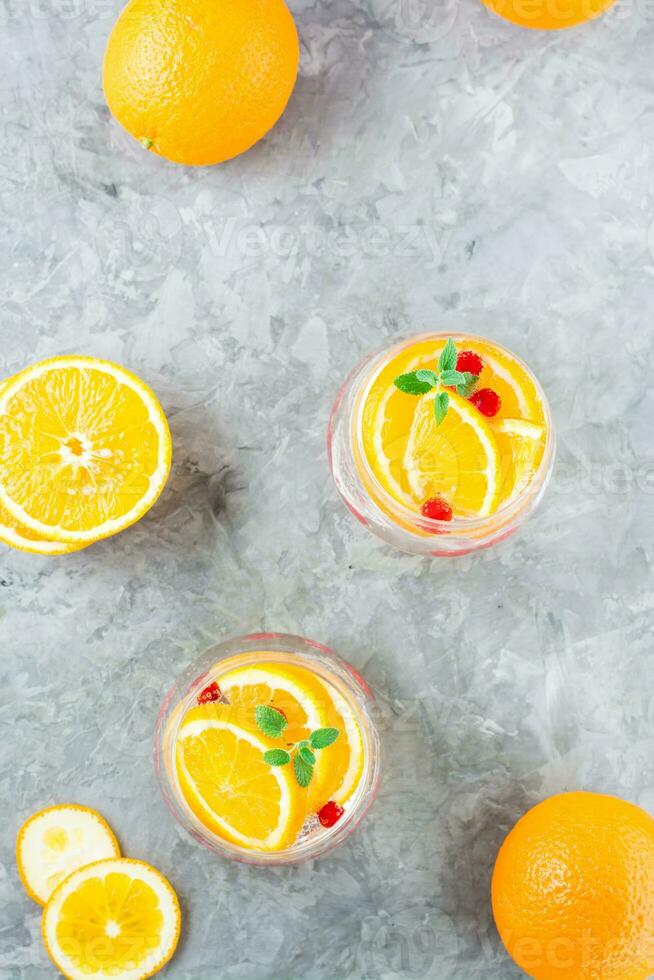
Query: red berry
point(487, 401)
point(330, 814)
point(469, 361)
point(210, 694)
point(436, 509)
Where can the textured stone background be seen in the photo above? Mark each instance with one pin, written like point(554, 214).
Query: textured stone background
point(436, 168)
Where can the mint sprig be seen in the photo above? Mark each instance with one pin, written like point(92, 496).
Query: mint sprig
point(425, 380)
point(303, 754)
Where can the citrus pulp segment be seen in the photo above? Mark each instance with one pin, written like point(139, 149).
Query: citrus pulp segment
point(113, 920)
point(85, 448)
point(57, 841)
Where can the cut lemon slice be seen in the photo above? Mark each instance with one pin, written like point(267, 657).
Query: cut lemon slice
point(458, 459)
point(521, 445)
point(229, 786)
point(117, 919)
point(85, 449)
point(57, 841)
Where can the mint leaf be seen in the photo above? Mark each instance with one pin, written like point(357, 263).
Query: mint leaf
point(411, 384)
point(467, 387)
point(271, 722)
point(307, 755)
point(276, 757)
point(441, 405)
point(303, 771)
point(322, 737)
point(452, 378)
point(429, 376)
point(447, 360)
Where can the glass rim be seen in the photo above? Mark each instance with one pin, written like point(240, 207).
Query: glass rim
point(183, 694)
point(363, 375)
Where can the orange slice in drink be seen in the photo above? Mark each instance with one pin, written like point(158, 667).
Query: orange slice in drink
point(521, 445)
point(308, 704)
point(413, 459)
point(117, 919)
point(228, 785)
point(458, 459)
point(509, 377)
point(57, 841)
point(84, 449)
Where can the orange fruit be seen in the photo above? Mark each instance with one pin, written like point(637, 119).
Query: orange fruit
point(57, 841)
point(115, 919)
point(573, 890)
point(200, 81)
point(85, 449)
point(228, 785)
point(548, 15)
point(308, 703)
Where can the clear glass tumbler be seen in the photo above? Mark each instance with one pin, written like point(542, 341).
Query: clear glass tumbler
point(254, 650)
point(383, 514)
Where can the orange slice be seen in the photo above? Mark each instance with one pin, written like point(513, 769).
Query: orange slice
point(85, 449)
point(512, 381)
point(340, 765)
point(297, 693)
point(57, 841)
point(117, 919)
point(413, 459)
point(17, 536)
point(521, 445)
point(458, 459)
point(308, 704)
point(230, 788)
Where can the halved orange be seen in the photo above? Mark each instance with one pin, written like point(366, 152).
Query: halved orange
point(113, 920)
point(17, 536)
point(57, 841)
point(230, 788)
point(85, 448)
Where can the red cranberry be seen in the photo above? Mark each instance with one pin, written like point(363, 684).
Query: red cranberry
point(330, 814)
point(487, 401)
point(436, 509)
point(210, 694)
point(469, 361)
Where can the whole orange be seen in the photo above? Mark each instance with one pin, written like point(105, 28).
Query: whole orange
point(573, 890)
point(200, 81)
point(548, 15)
